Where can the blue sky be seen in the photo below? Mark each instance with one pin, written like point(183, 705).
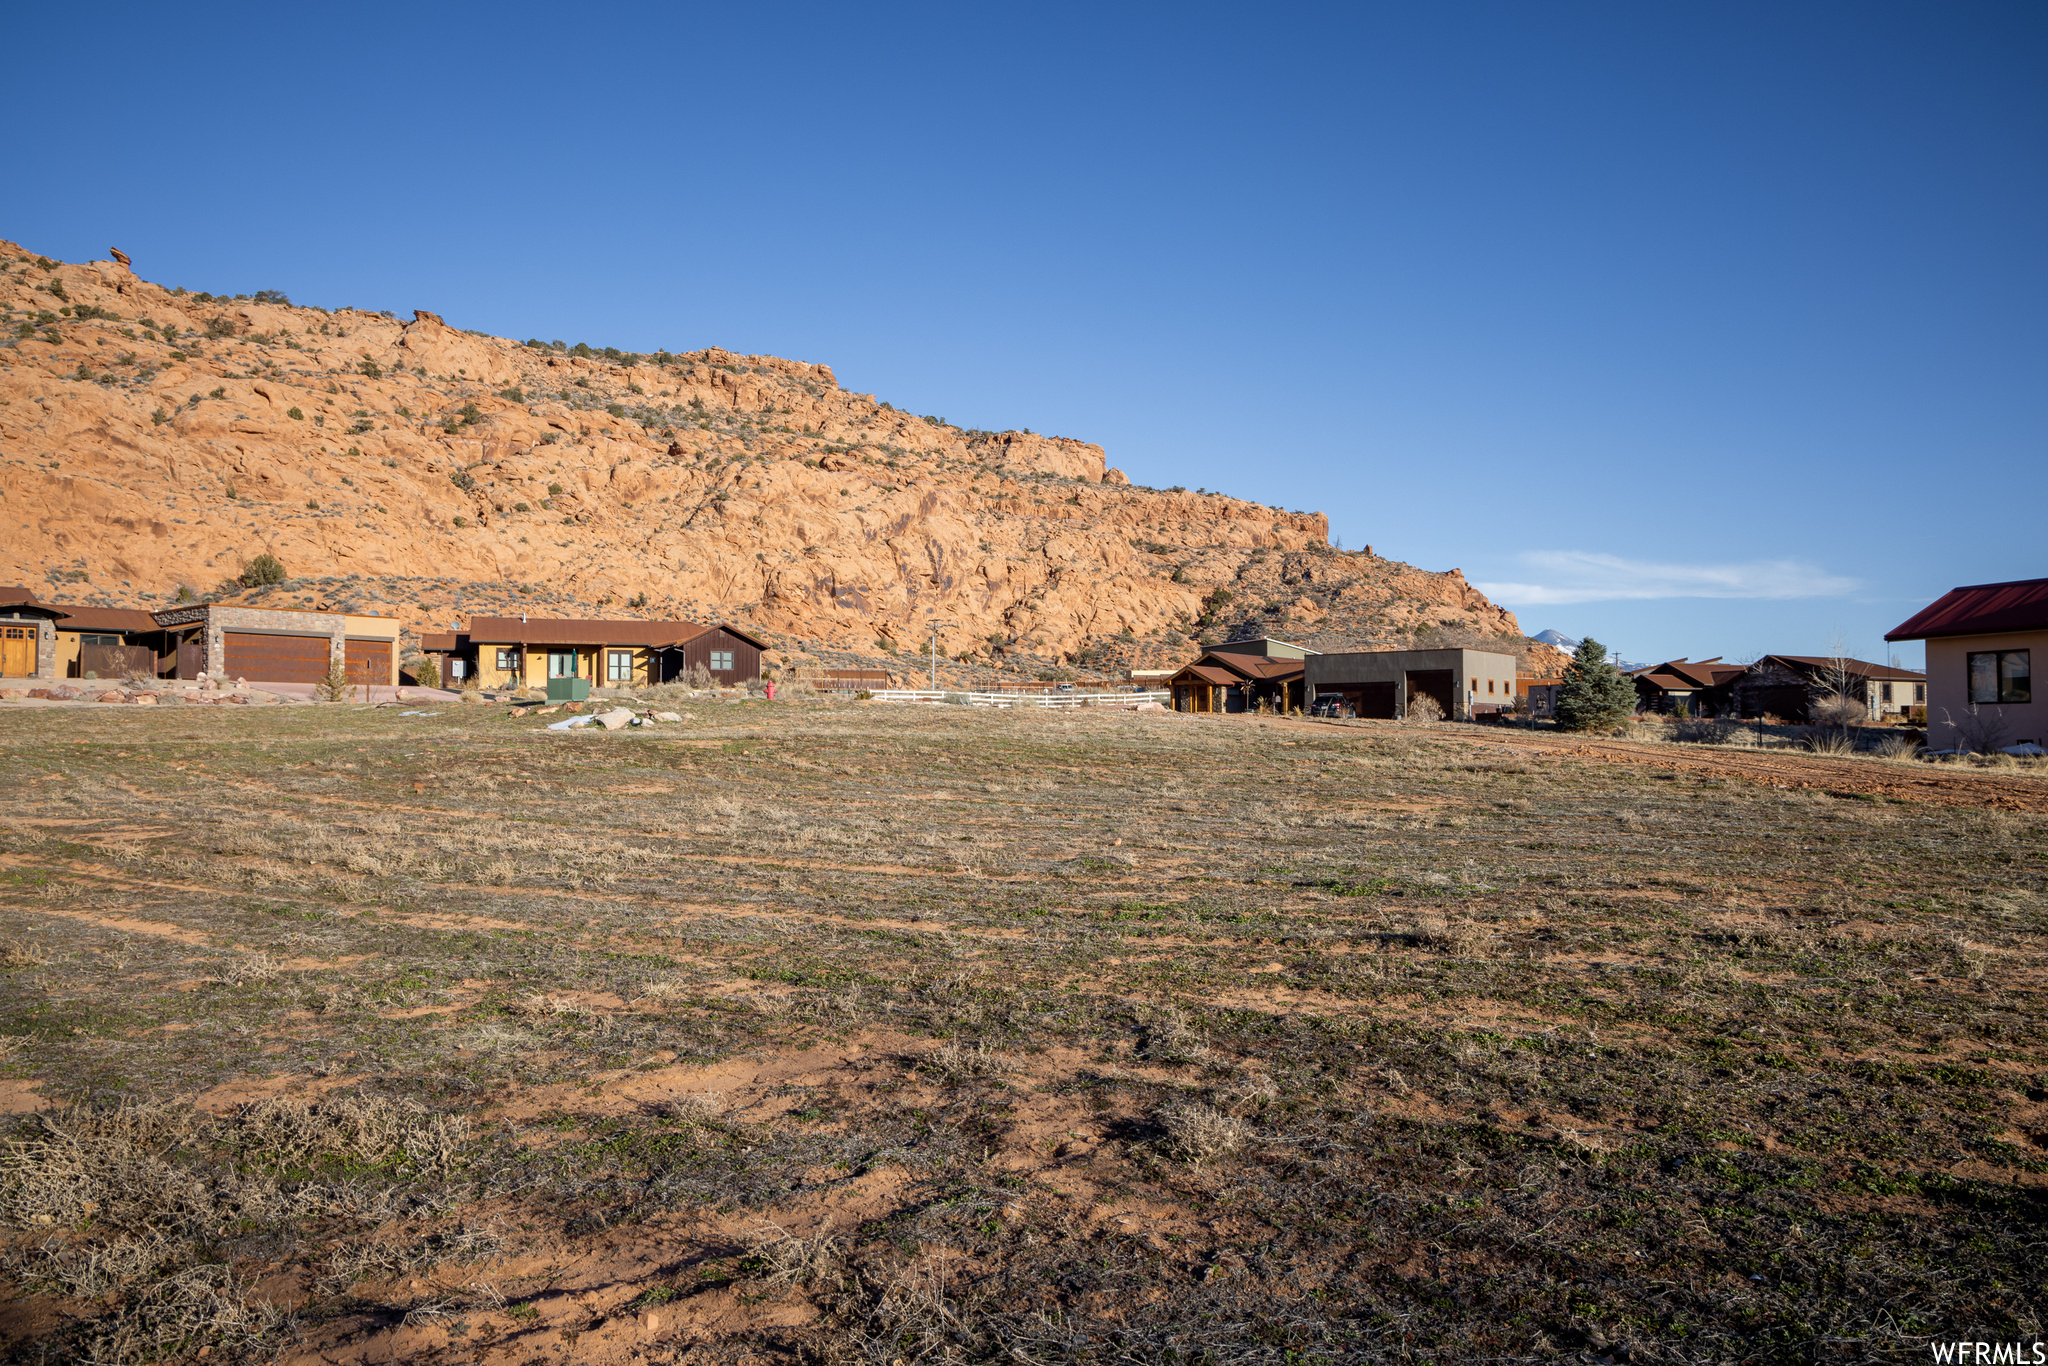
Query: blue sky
point(1706, 329)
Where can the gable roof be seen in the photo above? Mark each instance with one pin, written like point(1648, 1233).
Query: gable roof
point(1262, 668)
point(1208, 674)
point(117, 619)
point(18, 596)
point(581, 631)
point(1980, 609)
point(1859, 668)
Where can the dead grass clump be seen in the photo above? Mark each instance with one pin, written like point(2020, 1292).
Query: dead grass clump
point(778, 1261)
point(14, 953)
point(107, 1166)
point(964, 1062)
point(1833, 741)
point(547, 1006)
point(694, 1108)
point(206, 1304)
point(1199, 1134)
point(1247, 1093)
point(374, 1131)
point(667, 990)
point(1171, 1038)
point(1448, 934)
point(246, 967)
point(1896, 747)
point(1706, 730)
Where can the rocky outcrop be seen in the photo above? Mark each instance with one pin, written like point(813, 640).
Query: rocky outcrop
point(157, 439)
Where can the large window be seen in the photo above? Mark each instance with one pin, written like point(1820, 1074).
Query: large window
point(2001, 676)
point(618, 666)
point(561, 664)
point(508, 661)
point(721, 661)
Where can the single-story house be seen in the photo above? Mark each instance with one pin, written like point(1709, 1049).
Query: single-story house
point(1541, 695)
point(111, 642)
point(1241, 675)
point(1980, 664)
point(510, 652)
point(1698, 686)
point(28, 634)
point(279, 645)
point(1788, 686)
point(1383, 683)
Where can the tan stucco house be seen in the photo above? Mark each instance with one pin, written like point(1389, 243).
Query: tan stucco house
point(1982, 643)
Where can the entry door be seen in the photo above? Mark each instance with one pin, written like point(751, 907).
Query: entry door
point(561, 664)
point(17, 651)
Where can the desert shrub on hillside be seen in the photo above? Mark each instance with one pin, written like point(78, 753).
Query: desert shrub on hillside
point(263, 570)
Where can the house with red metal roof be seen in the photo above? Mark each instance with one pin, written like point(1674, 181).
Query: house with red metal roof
point(1242, 675)
point(1980, 664)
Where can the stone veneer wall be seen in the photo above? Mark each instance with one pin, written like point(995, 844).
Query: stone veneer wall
point(218, 620)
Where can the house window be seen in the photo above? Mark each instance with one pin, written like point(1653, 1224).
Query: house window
point(1999, 676)
point(562, 664)
point(1919, 692)
point(1884, 692)
point(508, 661)
point(99, 640)
point(618, 666)
point(1489, 685)
point(721, 661)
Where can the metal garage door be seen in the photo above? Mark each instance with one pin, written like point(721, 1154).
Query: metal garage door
point(369, 661)
point(275, 659)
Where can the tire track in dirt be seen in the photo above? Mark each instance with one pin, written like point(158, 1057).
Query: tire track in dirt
point(1860, 777)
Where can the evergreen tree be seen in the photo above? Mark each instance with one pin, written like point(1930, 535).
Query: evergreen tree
point(1594, 695)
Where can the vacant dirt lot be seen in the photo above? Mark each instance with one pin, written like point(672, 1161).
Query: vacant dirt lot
point(867, 1034)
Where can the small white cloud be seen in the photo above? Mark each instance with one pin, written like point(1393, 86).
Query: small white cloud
point(1587, 576)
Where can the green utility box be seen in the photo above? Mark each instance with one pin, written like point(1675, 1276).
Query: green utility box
point(568, 690)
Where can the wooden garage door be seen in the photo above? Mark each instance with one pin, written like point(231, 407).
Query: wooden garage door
point(275, 659)
point(369, 661)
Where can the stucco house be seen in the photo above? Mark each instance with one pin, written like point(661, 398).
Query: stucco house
point(1385, 683)
point(280, 645)
point(511, 652)
point(1981, 642)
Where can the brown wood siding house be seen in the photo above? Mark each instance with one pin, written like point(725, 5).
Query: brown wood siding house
point(730, 656)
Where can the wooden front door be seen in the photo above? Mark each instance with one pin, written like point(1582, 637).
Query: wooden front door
point(18, 651)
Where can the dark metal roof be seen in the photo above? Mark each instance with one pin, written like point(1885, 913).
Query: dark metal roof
point(1261, 667)
point(20, 597)
point(581, 631)
point(1208, 674)
point(1979, 610)
point(119, 620)
point(442, 641)
point(1860, 668)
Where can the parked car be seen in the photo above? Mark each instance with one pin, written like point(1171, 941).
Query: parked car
point(1064, 687)
point(1327, 706)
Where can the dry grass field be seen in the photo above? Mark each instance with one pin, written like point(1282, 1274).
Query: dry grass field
point(850, 1033)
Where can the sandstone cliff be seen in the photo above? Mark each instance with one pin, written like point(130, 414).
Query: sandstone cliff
point(151, 440)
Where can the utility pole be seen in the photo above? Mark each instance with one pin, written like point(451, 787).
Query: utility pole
point(935, 625)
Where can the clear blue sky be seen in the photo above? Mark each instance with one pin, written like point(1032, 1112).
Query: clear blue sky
point(1707, 329)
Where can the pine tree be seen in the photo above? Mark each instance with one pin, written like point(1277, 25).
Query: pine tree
point(1594, 695)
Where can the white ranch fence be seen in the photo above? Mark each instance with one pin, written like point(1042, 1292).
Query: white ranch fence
point(1127, 701)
